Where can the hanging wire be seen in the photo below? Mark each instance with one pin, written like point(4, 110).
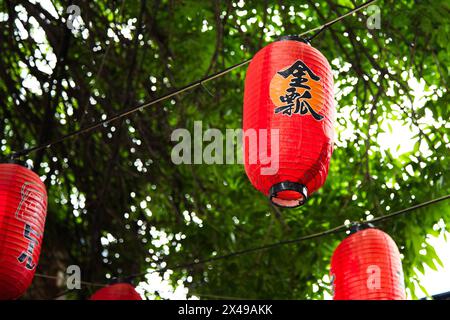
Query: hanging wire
point(330, 23)
point(169, 95)
point(127, 112)
point(334, 230)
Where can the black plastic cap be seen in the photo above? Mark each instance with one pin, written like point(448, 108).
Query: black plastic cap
point(288, 186)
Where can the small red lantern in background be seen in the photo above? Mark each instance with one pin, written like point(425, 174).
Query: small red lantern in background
point(367, 266)
point(118, 291)
point(289, 88)
point(23, 208)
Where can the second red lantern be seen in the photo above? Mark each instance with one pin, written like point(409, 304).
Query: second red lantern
point(367, 266)
point(288, 121)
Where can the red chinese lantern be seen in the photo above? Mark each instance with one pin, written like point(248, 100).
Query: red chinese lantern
point(288, 121)
point(367, 266)
point(23, 208)
point(118, 291)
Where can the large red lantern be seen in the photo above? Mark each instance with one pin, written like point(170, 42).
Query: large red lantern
point(118, 291)
point(367, 266)
point(23, 208)
point(288, 121)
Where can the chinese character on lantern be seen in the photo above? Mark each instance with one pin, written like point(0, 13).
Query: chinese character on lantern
point(294, 101)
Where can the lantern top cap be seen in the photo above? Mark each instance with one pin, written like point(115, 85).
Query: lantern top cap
point(294, 38)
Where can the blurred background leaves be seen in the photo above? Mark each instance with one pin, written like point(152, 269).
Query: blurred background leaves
point(119, 206)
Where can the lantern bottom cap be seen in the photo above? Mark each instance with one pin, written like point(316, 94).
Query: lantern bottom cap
point(288, 194)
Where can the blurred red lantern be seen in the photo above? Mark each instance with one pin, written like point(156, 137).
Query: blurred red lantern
point(23, 208)
point(367, 266)
point(118, 291)
point(288, 121)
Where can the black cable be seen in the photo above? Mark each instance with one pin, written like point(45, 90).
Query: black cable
point(127, 112)
point(337, 229)
point(403, 211)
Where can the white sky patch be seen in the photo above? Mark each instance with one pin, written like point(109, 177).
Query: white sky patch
point(112, 34)
point(48, 6)
point(204, 26)
point(127, 29)
point(398, 137)
point(31, 83)
point(44, 58)
point(105, 241)
point(4, 16)
point(436, 282)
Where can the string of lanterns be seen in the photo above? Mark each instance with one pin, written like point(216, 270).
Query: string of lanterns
point(288, 95)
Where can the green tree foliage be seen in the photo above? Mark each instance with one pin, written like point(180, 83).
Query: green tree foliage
point(120, 181)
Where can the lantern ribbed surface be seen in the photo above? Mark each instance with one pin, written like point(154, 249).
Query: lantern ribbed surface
point(23, 208)
point(367, 266)
point(289, 87)
point(118, 291)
